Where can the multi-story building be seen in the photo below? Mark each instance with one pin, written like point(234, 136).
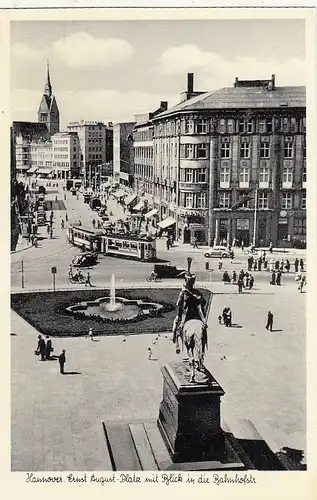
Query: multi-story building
point(123, 153)
point(26, 133)
point(66, 154)
point(144, 152)
point(232, 164)
point(41, 153)
point(94, 148)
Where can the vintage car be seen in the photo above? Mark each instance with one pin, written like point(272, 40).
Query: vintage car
point(85, 259)
point(168, 271)
point(218, 251)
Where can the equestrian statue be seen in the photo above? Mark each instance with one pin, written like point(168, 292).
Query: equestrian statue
point(190, 324)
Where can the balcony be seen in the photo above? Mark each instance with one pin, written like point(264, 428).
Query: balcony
point(244, 185)
point(287, 184)
point(225, 184)
point(304, 184)
point(264, 184)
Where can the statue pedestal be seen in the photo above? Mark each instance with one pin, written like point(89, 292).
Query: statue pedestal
point(189, 416)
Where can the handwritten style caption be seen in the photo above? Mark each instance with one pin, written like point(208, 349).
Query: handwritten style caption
point(154, 478)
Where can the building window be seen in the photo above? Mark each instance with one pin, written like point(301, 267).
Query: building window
point(189, 127)
point(288, 150)
point(189, 151)
point(224, 177)
point(245, 150)
point(201, 175)
point(202, 126)
point(241, 126)
point(201, 200)
point(262, 127)
point(303, 203)
point(230, 125)
point(304, 174)
point(224, 200)
point(304, 150)
point(225, 150)
point(293, 125)
point(300, 226)
point(269, 125)
point(304, 125)
point(263, 200)
point(286, 201)
point(202, 151)
point(222, 126)
point(188, 199)
point(244, 175)
point(265, 150)
point(264, 176)
point(250, 126)
point(188, 175)
point(285, 124)
point(288, 175)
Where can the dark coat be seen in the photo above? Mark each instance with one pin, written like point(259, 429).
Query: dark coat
point(62, 359)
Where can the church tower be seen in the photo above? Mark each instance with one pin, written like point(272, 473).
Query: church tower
point(48, 110)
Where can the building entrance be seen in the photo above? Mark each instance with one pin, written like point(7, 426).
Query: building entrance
point(186, 235)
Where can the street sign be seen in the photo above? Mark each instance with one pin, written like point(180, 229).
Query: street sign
point(54, 270)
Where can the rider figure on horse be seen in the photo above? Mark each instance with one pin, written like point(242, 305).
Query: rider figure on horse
point(190, 304)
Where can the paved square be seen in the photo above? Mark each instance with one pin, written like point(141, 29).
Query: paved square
point(57, 420)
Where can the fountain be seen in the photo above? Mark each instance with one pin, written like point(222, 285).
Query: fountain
point(113, 305)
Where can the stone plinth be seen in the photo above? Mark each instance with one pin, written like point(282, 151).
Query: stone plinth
point(189, 416)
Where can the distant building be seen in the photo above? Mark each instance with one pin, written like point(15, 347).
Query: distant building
point(66, 155)
point(48, 110)
point(123, 153)
point(216, 152)
point(95, 145)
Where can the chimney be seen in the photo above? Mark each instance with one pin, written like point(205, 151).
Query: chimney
point(190, 83)
point(164, 105)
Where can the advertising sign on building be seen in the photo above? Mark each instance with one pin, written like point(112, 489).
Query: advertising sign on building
point(243, 224)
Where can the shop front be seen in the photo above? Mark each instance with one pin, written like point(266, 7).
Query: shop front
point(192, 226)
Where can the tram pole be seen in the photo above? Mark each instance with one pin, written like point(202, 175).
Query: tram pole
point(22, 277)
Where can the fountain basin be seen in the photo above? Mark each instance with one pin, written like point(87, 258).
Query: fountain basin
point(128, 310)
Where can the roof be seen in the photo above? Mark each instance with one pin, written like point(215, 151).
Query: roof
point(241, 98)
point(35, 130)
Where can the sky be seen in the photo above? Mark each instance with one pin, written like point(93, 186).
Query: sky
point(112, 70)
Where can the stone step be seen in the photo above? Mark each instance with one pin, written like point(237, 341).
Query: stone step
point(121, 448)
point(142, 446)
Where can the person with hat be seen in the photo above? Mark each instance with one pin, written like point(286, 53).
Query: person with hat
point(190, 305)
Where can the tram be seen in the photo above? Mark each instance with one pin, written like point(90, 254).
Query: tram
point(87, 238)
point(129, 247)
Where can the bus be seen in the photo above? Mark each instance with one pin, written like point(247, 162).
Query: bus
point(85, 238)
point(129, 247)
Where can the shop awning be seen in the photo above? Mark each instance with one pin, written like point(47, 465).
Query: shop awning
point(32, 170)
point(44, 171)
point(119, 194)
point(139, 206)
point(169, 221)
point(129, 199)
point(152, 212)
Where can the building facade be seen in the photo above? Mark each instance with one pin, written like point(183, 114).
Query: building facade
point(231, 164)
point(123, 153)
point(95, 139)
point(65, 155)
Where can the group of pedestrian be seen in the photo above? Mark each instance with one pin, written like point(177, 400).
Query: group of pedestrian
point(276, 277)
point(245, 280)
point(45, 349)
point(299, 265)
point(301, 280)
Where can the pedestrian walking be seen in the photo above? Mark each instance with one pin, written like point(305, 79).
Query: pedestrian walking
point(302, 282)
point(251, 282)
point(88, 282)
point(234, 277)
point(242, 245)
point(51, 233)
point(62, 224)
point(35, 241)
point(195, 245)
point(219, 319)
point(269, 322)
point(301, 265)
point(287, 265)
point(41, 347)
point(220, 262)
point(167, 244)
point(277, 265)
point(90, 334)
point(48, 229)
point(94, 223)
point(240, 285)
point(149, 352)
point(278, 277)
point(265, 263)
point(66, 217)
point(259, 264)
point(231, 255)
point(273, 278)
point(62, 361)
point(296, 264)
point(65, 197)
point(271, 247)
point(255, 265)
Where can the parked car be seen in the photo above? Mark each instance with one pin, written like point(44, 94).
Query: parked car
point(85, 259)
point(218, 251)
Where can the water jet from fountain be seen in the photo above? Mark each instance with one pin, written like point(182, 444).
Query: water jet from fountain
point(113, 305)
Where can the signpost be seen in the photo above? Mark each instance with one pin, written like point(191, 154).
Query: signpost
point(54, 270)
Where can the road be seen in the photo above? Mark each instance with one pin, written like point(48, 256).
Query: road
point(58, 252)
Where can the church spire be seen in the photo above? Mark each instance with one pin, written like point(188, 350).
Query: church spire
point(48, 86)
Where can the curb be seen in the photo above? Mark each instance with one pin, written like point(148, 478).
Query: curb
point(21, 249)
